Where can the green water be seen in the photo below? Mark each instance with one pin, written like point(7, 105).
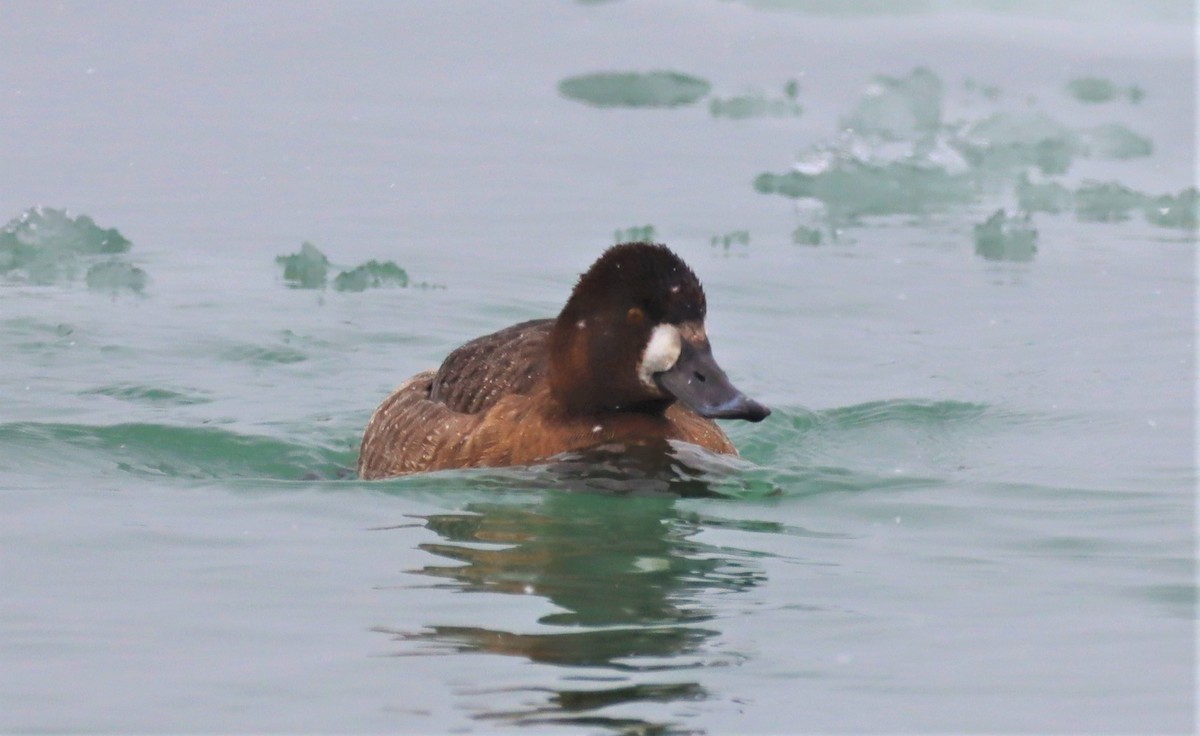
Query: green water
point(951, 245)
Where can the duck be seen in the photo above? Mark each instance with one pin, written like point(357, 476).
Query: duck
point(626, 363)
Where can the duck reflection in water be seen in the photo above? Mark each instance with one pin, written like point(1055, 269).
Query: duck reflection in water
point(608, 546)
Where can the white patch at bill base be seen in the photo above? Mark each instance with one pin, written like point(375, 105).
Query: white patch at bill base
point(662, 350)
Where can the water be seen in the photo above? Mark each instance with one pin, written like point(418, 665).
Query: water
point(972, 510)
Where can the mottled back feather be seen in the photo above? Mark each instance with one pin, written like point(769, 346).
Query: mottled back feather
point(478, 374)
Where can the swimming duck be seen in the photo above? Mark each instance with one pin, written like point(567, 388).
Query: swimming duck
point(627, 361)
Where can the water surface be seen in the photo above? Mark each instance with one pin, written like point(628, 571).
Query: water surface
point(972, 509)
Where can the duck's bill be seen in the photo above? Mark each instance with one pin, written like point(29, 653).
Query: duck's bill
point(698, 383)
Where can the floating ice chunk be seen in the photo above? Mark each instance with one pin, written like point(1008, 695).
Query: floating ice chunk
point(1047, 197)
point(758, 105)
point(882, 153)
point(43, 233)
point(934, 152)
point(1115, 141)
point(899, 108)
point(984, 90)
point(372, 275)
point(793, 184)
point(635, 234)
point(1181, 211)
point(48, 229)
point(1005, 141)
point(939, 153)
point(634, 89)
point(736, 237)
point(44, 244)
point(753, 106)
point(816, 160)
point(115, 275)
point(805, 235)
point(1106, 202)
point(857, 177)
point(1093, 90)
point(1006, 238)
point(307, 269)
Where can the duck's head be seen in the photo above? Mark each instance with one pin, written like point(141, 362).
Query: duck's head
point(631, 337)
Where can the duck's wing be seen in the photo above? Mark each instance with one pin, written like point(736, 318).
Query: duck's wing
point(430, 422)
point(408, 432)
point(478, 374)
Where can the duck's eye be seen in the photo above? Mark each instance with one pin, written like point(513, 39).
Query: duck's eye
point(635, 316)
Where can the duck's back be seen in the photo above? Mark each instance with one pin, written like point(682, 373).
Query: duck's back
point(478, 374)
point(430, 421)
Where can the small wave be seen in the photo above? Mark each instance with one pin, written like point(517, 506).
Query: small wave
point(916, 413)
point(164, 450)
point(788, 456)
point(685, 471)
point(877, 445)
point(278, 355)
point(677, 470)
point(153, 395)
point(799, 454)
point(911, 412)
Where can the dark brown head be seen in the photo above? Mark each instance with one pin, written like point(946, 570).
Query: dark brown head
point(631, 338)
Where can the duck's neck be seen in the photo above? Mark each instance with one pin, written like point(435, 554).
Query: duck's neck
point(585, 382)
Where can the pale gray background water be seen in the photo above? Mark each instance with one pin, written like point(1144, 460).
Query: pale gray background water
point(973, 509)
